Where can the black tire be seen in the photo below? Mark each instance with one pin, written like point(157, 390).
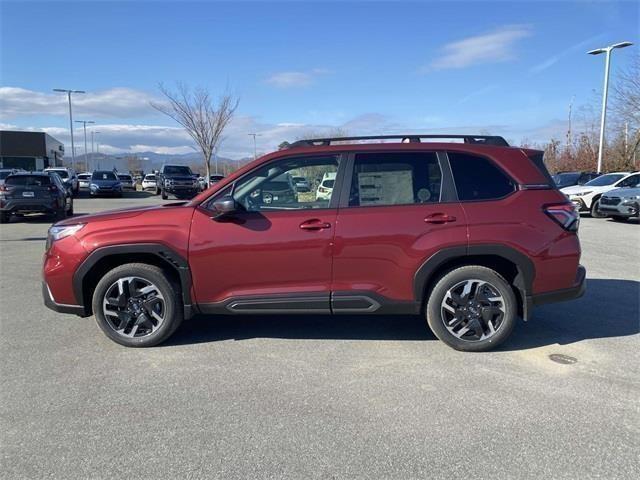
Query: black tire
point(4, 217)
point(157, 191)
point(70, 211)
point(173, 313)
point(164, 195)
point(60, 214)
point(594, 209)
point(434, 309)
point(618, 218)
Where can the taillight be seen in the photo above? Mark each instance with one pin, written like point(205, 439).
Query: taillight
point(565, 215)
point(4, 188)
point(53, 188)
point(322, 190)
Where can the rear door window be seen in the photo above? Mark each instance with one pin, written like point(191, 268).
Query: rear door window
point(395, 178)
point(477, 178)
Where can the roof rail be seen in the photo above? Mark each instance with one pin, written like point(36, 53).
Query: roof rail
point(407, 138)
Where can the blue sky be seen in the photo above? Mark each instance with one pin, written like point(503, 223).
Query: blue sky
point(508, 68)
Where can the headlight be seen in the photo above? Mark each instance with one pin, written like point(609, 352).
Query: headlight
point(62, 231)
point(633, 197)
point(168, 181)
point(582, 194)
point(93, 185)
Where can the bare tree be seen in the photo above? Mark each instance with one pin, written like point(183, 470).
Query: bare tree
point(202, 117)
point(626, 108)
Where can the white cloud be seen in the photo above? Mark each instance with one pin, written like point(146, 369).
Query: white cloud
point(552, 60)
point(295, 79)
point(495, 46)
point(112, 103)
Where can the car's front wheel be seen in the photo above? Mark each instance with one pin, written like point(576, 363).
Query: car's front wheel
point(472, 308)
point(595, 213)
point(136, 305)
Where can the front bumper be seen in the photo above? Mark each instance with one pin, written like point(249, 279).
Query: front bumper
point(626, 208)
point(50, 303)
point(180, 190)
point(578, 202)
point(106, 191)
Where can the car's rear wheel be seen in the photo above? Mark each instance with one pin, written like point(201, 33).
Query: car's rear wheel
point(472, 308)
point(136, 305)
point(164, 195)
point(594, 209)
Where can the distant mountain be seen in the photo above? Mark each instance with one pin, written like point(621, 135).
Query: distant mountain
point(149, 161)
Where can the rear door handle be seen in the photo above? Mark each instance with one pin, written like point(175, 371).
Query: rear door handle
point(314, 224)
point(439, 218)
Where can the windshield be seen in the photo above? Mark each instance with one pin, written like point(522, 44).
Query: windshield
point(150, 177)
point(564, 179)
point(177, 170)
point(29, 180)
point(125, 177)
point(604, 180)
point(328, 183)
point(84, 176)
point(103, 176)
point(62, 173)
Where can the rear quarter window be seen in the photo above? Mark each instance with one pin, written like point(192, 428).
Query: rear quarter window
point(477, 178)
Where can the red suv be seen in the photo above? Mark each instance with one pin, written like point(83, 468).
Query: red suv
point(472, 234)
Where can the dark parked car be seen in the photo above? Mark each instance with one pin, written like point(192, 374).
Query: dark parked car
point(105, 182)
point(177, 180)
point(35, 192)
point(302, 184)
point(471, 235)
point(568, 179)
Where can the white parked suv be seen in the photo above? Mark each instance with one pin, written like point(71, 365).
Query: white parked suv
point(68, 176)
point(326, 186)
point(586, 197)
point(149, 182)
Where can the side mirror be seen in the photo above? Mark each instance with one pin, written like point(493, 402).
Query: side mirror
point(225, 206)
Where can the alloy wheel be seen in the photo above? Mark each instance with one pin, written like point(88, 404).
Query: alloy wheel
point(473, 310)
point(134, 307)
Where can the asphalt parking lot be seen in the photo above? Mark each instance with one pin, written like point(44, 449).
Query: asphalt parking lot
point(321, 397)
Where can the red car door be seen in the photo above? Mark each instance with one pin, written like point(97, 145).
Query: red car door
point(274, 253)
point(400, 211)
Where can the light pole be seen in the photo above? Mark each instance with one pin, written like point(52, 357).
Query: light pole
point(86, 155)
point(97, 148)
point(603, 118)
point(69, 92)
point(254, 135)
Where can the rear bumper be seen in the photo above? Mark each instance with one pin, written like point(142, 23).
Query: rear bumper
point(576, 291)
point(29, 205)
point(50, 303)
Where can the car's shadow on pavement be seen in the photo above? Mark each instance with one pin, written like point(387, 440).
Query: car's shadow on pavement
point(610, 308)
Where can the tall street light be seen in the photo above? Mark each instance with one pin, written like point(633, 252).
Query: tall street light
point(86, 155)
point(97, 148)
point(607, 65)
point(69, 92)
point(255, 151)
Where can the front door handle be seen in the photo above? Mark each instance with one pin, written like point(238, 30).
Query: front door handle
point(314, 224)
point(439, 218)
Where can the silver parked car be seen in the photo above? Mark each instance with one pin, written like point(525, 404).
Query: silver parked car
point(621, 204)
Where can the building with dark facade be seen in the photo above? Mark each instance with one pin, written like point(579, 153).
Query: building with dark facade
point(29, 150)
